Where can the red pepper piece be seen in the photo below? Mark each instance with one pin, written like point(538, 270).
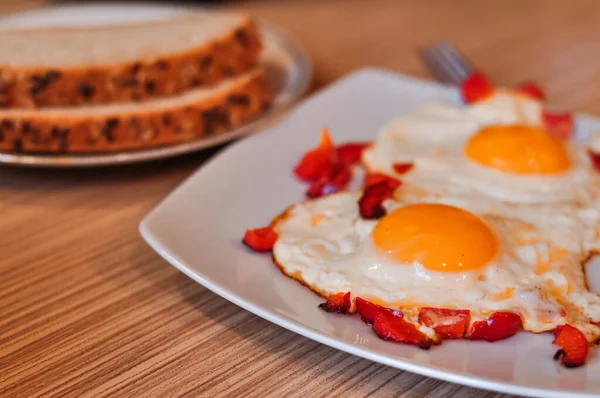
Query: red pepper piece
point(402, 168)
point(532, 90)
point(332, 181)
point(573, 345)
point(595, 158)
point(366, 310)
point(476, 87)
point(376, 178)
point(318, 160)
point(370, 203)
point(350, 153)
point(448, 324)
point(390, 325)
point(340, 303)
point(498, 326)
point(260, 239)
point(560, 125)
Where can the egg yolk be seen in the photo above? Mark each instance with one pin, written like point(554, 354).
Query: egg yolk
point(440, 237)
point(518, 149)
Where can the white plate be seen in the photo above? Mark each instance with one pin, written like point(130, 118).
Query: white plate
point(288, 64)
point(199, 226)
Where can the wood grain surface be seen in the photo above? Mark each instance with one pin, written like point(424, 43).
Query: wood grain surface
point(87, 309)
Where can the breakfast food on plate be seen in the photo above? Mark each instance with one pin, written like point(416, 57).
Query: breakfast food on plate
point(497, 146)
point(473, 222)
point(437, 260)
point(74, 66)
point(202, 112)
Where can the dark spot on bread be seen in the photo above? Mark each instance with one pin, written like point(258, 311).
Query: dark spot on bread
point(238, 99)
point(215, 118)
point(25, 127)
point(162, 65)
point(108, 129)
point(228, 71)
point(57, 132)
point(18, 145)
point(150, 86)
point(86, 91)
point(206, 62)
point(7, 124)
point(241, 36)
point(52, 75)
point(195, 82)
point(165, 119)
point(1, 135)
point(135, 68)
point(178, 130)
point(38, 84)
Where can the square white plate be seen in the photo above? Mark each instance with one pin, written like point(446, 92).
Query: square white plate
point(198, 229)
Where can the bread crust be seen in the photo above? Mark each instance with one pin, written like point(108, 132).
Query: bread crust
point(44, 132)
point(205, 65)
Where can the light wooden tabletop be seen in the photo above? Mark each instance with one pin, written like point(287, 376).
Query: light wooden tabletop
point(87, 309)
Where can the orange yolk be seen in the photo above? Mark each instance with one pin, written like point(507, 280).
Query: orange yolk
point(440, 237)
point(518, 149)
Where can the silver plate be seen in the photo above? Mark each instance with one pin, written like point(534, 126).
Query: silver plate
point(289, 69)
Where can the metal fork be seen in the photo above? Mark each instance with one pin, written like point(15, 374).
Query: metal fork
point(446, 63)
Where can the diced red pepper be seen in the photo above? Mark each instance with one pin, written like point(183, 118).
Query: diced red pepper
point(390, 325)
point(332, 181)
point(595, 159)
point(402, 168)
point(318, 160)
point(339, 302)
point(573, 345)
point(260, 239)
point(498, 326)
point(595, 323)
point(377, 178)
point(448, 324)
point(476, 87)
point(366, 310)
point(532, 90)
point(351, 152)
point(560, 125)
point(370, 204)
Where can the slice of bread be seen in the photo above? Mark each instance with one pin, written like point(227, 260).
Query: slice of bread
point(200, 112)
point(75, 66)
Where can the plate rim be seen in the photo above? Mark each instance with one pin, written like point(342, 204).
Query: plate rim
point(433, 371)
point(283, 101)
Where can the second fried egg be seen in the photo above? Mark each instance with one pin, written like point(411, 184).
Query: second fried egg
point(496, 148)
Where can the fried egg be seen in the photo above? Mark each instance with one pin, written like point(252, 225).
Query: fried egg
point(431, 252)
point(496, 148)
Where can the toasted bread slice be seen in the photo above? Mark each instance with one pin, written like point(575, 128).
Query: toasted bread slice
point(200, 112)
point(75, 66)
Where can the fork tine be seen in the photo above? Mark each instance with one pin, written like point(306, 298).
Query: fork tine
point(462, 65)
point(437, 68)
point(446, 63)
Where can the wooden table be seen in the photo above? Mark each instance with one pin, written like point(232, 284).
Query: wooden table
point(87, 309)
